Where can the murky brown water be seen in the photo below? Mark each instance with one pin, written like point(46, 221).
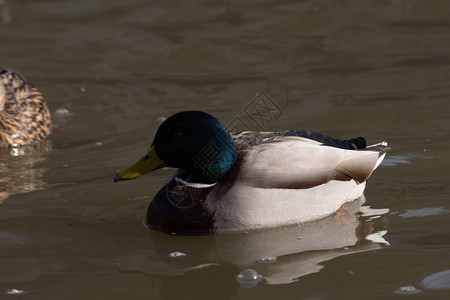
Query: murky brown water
point(110, 70)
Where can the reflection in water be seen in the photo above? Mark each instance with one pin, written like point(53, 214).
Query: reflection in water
point(437, 281)
point(380, 67)
point(18, 172)
point(280, 255)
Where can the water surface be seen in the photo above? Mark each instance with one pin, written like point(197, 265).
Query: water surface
point(111, 71)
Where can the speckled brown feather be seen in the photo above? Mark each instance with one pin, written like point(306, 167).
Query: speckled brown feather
point(24, 116)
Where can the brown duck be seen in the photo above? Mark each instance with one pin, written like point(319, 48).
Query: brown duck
point(24, 116)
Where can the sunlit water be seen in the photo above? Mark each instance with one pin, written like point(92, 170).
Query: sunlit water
point(111, 71)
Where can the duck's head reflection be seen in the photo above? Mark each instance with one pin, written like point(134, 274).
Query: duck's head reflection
point(279, 255)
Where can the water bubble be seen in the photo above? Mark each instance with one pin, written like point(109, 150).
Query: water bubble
point(63, 112)
point(15, 292)
point(249, 278)
point(177, 254)
point(267, 260)
point(407, 290)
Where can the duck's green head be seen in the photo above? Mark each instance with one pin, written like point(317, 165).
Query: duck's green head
point(191, 140)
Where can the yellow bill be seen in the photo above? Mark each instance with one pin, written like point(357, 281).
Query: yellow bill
point(148, 163)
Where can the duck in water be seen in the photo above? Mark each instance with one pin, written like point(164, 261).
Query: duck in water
point(249, 180)
point(24, 115)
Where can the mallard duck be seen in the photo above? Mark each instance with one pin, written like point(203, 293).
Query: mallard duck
point(24, 116)
point(249, 180)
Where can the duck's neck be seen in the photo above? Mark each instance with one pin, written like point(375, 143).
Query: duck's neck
point(215, 158)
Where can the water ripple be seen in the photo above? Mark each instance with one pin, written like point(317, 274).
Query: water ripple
point(424, 212)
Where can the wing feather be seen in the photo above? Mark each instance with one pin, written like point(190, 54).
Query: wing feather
point(294, 163)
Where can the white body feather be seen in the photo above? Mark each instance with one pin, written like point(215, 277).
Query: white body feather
point(264, 192)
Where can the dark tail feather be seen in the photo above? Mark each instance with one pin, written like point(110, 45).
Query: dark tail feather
point(358, 143)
